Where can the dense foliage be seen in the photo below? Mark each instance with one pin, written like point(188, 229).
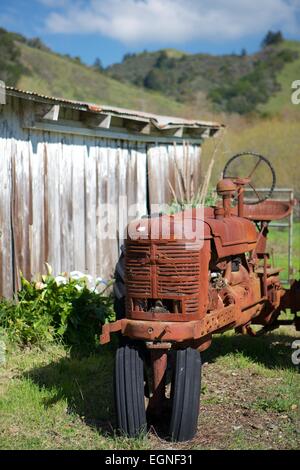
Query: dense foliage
point(48, 310)
point(236, 83)
point(233, 83)
point(247, 92)
point(11, 68)
point(272, 38)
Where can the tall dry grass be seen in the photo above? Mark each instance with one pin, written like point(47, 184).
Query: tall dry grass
point(277, 138)
point(188, 194)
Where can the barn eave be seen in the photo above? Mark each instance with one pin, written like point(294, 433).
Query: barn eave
point(53, 114)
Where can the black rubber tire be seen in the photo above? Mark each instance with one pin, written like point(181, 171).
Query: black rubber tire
point(129, 391)
point(119, 286)
point(186, 395)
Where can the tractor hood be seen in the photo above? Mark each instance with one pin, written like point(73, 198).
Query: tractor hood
point(232, 235)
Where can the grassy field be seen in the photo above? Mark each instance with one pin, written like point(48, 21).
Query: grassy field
point(250, 393)
point(281, 101)
point(54, 75)
point(278, 139)
point(50, 399)
point(250, 399)
point(278, 247)
point(250, 390)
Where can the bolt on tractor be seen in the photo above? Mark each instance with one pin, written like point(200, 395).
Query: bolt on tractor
point(174, 292)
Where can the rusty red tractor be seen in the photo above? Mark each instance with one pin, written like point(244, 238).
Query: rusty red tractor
point(173, 293)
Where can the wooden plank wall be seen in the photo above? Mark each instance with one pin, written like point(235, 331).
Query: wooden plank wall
point(166, 165)
point(53, 187)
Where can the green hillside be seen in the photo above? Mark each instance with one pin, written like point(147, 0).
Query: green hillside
point(236, 83)
point(181, 74)
point(281, 101)
point(167, 81)
point(54, 75)
point(28, 64)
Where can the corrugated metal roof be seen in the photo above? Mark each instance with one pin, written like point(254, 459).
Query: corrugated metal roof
point(160, 122)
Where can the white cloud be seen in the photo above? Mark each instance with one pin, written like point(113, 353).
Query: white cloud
point(172, 21)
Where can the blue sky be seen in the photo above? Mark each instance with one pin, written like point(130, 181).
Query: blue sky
point(110, 28)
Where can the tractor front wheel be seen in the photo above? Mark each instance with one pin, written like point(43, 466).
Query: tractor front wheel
point(186, 395)
point(129, 391)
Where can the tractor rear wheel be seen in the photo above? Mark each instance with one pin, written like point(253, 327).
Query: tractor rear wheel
point(129, 391)
point(186, 395)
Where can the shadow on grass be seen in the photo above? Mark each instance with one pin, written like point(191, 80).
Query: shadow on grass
point(272, 350)
point(86, 383)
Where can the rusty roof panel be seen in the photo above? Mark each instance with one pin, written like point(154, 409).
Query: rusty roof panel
point(162, 123)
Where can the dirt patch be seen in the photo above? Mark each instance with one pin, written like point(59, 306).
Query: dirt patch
point(228, 416)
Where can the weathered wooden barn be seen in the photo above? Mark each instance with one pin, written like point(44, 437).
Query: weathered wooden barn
point(60, 160)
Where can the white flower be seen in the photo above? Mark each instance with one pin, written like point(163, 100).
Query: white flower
point(99, 280)
point(60, 280)
point(89, 280)
point(76, 275)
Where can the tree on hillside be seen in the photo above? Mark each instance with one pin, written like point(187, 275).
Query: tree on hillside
point(37, 44)
point(127, 56)
point(98, 64)
point(155, 80)
point(77, 59)
point(272, 38)
point(11, 68)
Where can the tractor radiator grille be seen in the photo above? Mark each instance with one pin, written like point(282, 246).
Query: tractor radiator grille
point(178, 270)
point(138, 271)
point(163, 271)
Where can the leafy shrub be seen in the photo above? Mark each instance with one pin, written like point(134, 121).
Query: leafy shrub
point(178, 206)
point(37, 43)
point(211, 198)
point(48, 311)
point(11, 67)
point(247, 92)
point(272, 38)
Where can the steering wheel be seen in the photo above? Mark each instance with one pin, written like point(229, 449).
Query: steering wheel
point(257, 172)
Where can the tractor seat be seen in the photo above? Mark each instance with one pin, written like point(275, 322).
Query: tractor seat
point(268, 210)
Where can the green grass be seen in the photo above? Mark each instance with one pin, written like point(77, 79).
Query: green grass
point(265, 355)
point(55, 75)
point(278, 247)
point(252, 383)
point(52, 400)
point(49, 400)
point(175, 53)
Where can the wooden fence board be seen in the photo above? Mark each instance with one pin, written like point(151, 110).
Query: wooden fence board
point(54, 190)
